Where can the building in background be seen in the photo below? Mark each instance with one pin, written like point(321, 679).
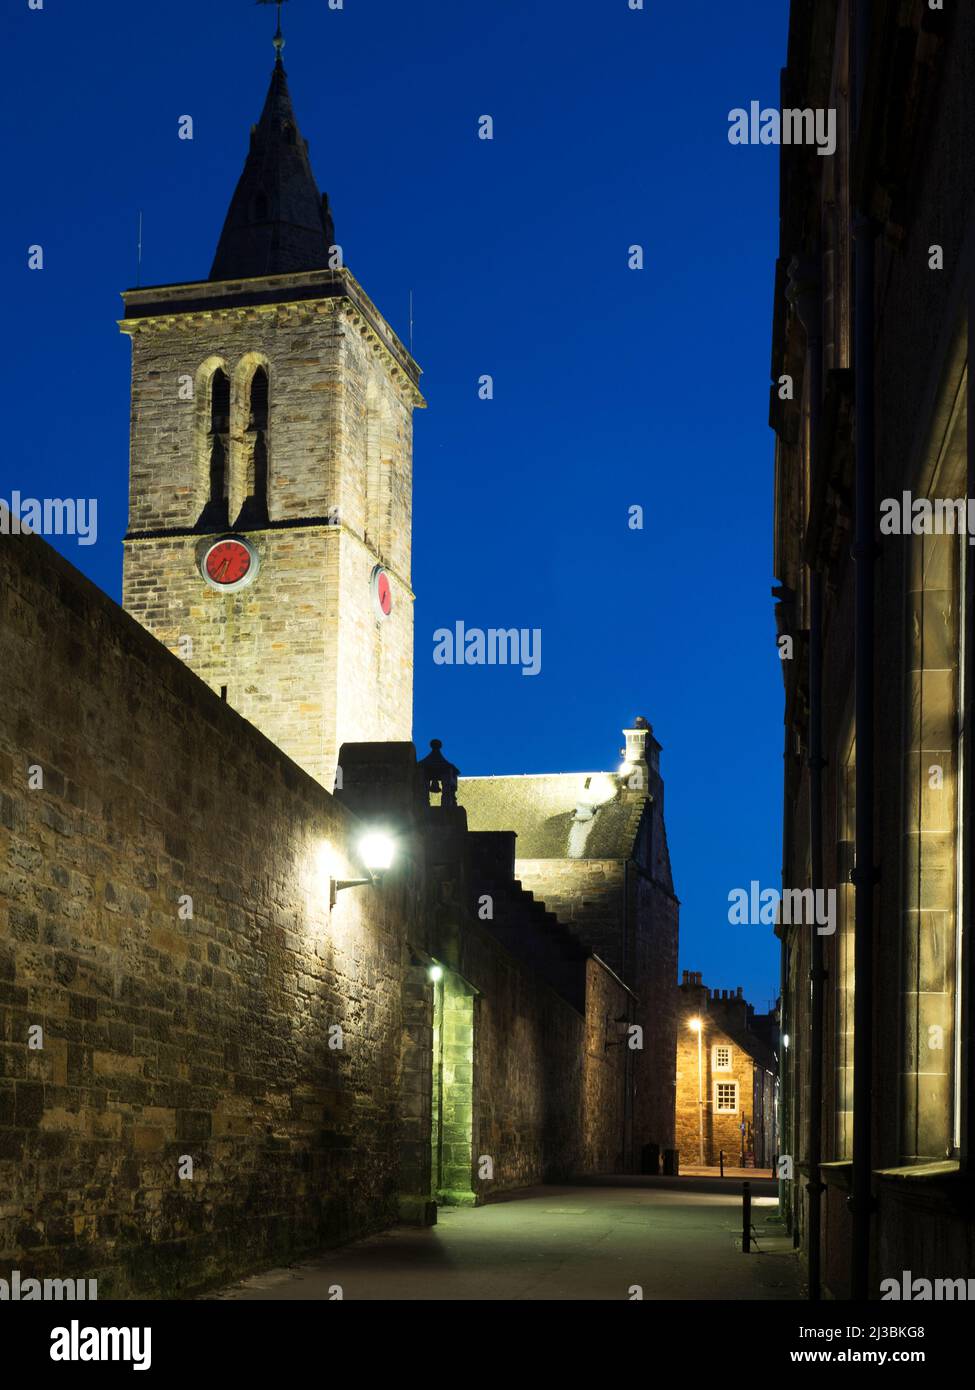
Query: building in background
point(873, 465)
point(727, 1078)
point(592, 846)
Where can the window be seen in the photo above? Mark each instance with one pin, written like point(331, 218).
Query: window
point(721, 1057)
point(253, 449)
point(257, 479)
point(218, 438)
point(726, 1097)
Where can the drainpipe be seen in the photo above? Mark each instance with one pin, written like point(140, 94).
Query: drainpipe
point(817, 972)
point(804, 291)
point(786, 1142)
point(967, 1058)
point(864, 553)
point(783, 1142)
point(627, 1075)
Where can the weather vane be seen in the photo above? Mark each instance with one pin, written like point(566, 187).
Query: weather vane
point(278, 37)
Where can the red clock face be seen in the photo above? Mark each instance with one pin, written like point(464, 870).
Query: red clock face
point(228, 562)
point(382, 592)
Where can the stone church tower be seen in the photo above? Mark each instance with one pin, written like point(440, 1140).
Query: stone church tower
point(271, 469)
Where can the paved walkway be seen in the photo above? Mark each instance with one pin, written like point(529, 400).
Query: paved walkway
point(676, 1238)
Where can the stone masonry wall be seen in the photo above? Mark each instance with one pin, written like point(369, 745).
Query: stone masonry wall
point(588, 895)
point(585, 894)
point(166, 1037)
point(528, 1084)
point(604, 1077)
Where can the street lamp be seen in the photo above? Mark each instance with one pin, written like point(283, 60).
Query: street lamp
point(696, 1027)
point(377, 850)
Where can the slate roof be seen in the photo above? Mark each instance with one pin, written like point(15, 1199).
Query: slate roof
point(552, 813)
point(278, 222)
point(749, 1042)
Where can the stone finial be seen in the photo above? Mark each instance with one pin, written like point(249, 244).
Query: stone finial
point(278, 39)
point(439, 775)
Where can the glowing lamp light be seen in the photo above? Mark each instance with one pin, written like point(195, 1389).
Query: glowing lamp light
point(694, 1024)
point(377, 851)
point(785, 1040)
point(436, 973)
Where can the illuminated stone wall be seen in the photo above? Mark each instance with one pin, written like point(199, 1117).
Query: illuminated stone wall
point(233, 1080)
point(167, 1037)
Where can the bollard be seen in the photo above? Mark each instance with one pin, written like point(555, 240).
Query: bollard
point(721, 1161)
point(746, 1217)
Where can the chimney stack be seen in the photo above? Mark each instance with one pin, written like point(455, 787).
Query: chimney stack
point(641, 756)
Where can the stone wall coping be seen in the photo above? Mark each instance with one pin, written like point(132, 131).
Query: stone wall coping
point(312, 293)
point(609, 971)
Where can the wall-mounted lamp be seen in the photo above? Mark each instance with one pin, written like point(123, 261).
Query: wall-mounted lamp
point(436, 973)
point(377, 850)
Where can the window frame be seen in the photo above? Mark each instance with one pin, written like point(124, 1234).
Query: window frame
point(720, 1109)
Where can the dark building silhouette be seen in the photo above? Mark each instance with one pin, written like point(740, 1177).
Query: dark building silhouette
point(869, 402)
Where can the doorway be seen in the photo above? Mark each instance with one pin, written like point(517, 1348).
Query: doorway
point(452, 1120)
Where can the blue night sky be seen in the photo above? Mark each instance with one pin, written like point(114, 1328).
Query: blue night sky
point(613, 387)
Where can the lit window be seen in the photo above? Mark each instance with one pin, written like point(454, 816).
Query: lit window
point(726, 1097)
point(721, 1057)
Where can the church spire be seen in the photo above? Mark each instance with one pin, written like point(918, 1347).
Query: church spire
point(277, 222)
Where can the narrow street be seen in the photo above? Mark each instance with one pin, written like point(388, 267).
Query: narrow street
point(675, 1238)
